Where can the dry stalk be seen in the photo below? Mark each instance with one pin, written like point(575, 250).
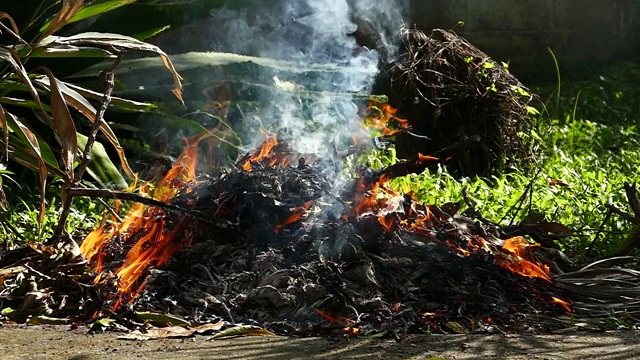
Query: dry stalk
point(108, 75)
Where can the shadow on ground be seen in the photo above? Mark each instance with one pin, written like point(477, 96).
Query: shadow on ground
point(46, 342)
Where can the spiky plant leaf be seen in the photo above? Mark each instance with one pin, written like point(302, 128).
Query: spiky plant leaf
point(63, 126)
point(10, 56)
point(119, 41)
point(92, 9)
point(81, 104)
point(68, 10)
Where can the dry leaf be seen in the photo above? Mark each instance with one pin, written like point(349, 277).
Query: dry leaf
point(63, 126)
point(170, 332)
point(207, 328)
point(173, 332)
point(559, 183)
point(242, 330)
point(161, 318)
point(69, 8)
point(456, 327)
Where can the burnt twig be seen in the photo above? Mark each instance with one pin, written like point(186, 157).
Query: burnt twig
point(121, 195)
point(421, 163)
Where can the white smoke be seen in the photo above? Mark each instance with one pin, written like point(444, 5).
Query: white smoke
point(313, 34)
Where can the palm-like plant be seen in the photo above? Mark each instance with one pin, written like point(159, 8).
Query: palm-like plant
point(36, 105)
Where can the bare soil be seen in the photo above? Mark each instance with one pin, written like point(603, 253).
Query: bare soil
point(58, 342)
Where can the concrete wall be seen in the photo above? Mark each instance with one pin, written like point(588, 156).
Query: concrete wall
point(580, 32)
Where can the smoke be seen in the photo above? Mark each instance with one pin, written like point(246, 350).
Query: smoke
point(313, 108)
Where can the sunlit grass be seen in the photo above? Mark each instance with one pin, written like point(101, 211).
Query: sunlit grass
point(593, 159)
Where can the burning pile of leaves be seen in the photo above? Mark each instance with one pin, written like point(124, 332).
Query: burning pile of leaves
point(277, 244)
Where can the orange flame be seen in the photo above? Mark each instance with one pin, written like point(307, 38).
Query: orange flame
point(520, 260)
point(266, 155)
point(298, 212)
point(381, 117)
point(157, 245)
point(562, 303)
point(352, 331)
point(334, 319)
point(387, 224)
point(388, 206)
point(426, 158)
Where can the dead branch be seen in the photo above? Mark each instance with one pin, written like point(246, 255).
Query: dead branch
point(632, 196)
point(418, 165)
point(623, 214)
point(108, 75)
point(121, 195)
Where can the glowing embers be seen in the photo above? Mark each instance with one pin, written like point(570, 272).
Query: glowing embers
point(393, 209)
point(351, 328)
point(296, 215)
point(156, 240)
point(269, 154)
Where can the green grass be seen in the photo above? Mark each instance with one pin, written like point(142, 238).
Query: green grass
point(575, 154)
point(19, 223)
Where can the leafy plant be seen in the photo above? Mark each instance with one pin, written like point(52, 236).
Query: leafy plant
point(37, 108)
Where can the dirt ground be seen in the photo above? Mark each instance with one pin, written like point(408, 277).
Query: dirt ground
point(51, 342)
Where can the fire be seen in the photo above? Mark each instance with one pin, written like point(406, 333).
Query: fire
point(562, 303)
point(296, 215)
point(156, 241)
point(520, 260)
point(426, 158)
point(334, 319)
point(382, 119)
point(379, 200)
point(267, 155)
point(156, 244)
point(391, 209)
point(352, 331)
